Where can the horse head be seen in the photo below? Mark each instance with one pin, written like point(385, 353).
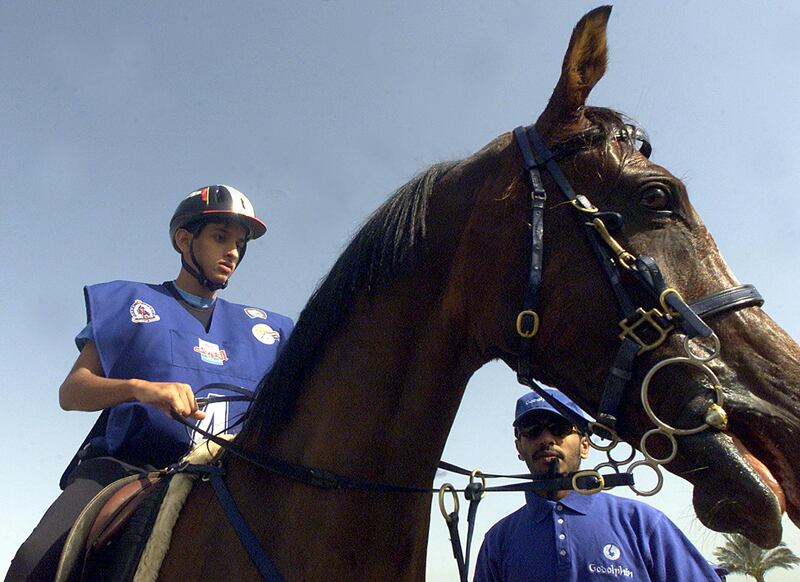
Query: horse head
point(742, 471)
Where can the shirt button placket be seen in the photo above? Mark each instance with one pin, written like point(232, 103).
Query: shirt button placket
point(561, 544)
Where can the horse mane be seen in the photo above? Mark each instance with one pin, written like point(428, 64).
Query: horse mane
point(385, 247)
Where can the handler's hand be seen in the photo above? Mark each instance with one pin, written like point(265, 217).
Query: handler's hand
point(169, 397)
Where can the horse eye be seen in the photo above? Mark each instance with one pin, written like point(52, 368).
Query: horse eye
point(656, 198)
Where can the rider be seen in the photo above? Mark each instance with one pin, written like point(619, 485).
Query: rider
point(144, 354)
point(565, 536)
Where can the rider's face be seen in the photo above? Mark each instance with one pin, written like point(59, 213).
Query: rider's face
point(217, 248)
point(548, 438)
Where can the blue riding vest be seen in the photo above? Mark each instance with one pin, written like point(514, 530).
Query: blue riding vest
point(142, 331)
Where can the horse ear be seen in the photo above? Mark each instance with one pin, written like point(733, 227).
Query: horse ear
point(584, 65)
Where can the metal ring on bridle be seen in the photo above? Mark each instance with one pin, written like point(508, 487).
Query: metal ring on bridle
point(442, 490)
point(627, 460)
point(659, 476)
point(714, 352)
point(655, 460)
point(611, 431)
point(679, 360)
point(477, 473)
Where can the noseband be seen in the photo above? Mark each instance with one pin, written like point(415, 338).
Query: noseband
point(642, 330)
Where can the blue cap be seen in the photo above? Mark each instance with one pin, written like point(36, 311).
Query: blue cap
point(531, 401)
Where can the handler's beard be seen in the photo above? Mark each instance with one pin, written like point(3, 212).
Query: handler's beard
point(571, 464)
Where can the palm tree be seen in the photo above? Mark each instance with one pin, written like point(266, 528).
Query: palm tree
point(740, 555)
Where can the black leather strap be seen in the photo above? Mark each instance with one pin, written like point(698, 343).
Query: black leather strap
point(733, 298)
point(617, 379)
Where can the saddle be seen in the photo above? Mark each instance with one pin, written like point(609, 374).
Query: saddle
point(126, 511)
point(103, 520)
point(118, 510)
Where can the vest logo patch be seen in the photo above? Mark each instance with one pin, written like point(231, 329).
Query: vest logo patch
point(611, 551)
point(210, 353)
point(265, 334)
point(255, 313)
point(142, 312)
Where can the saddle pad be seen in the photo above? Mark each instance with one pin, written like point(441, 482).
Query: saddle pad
point(179, 487)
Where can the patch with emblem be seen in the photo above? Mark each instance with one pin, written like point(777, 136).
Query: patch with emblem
point(611, 551)
point(255, 313)
point(142, 312)
point(210, 352)
point(265, 334)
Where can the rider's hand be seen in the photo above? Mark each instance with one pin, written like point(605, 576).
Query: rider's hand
point(169, 397)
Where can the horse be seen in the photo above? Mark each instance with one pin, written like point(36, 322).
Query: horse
point(429, 290)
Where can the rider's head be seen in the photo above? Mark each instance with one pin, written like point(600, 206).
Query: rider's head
point(210, 229)
point(545, 437)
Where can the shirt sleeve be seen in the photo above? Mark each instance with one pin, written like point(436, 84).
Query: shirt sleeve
point(674, 557)
point(85, 335)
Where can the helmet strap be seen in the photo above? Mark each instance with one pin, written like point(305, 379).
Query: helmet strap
point(197, 272)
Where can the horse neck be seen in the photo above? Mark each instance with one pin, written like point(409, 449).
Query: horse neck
point(384, 394)
point(378, 406)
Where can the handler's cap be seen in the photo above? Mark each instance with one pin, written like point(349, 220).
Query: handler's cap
point(532, 402)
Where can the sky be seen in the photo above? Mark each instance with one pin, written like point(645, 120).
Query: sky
point(110, 112)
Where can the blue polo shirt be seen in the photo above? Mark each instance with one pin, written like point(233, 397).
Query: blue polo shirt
point(588, 537)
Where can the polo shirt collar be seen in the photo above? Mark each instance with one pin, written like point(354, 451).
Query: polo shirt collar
point(541, 507)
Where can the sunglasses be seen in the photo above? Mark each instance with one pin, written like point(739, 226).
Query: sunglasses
point(557, 428)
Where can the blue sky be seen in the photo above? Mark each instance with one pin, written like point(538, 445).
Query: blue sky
point(111, 112)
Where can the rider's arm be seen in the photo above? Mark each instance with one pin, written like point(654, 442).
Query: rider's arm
point(86, 388)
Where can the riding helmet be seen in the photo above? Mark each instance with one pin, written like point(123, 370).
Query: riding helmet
point(215, 201)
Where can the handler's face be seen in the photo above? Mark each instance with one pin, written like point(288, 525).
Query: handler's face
point(549, 438)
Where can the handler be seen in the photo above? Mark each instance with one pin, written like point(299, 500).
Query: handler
point(573, 537)
point(144, 353)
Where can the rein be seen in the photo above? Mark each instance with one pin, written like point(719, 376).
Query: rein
point(585, 482)
point(642, 330)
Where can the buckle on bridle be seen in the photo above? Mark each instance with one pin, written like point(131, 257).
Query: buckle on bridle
point(599, 479)
point(527, 323)
point(651, 318)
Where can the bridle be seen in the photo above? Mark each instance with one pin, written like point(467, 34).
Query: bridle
point(642, 330)
point(670, 314)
